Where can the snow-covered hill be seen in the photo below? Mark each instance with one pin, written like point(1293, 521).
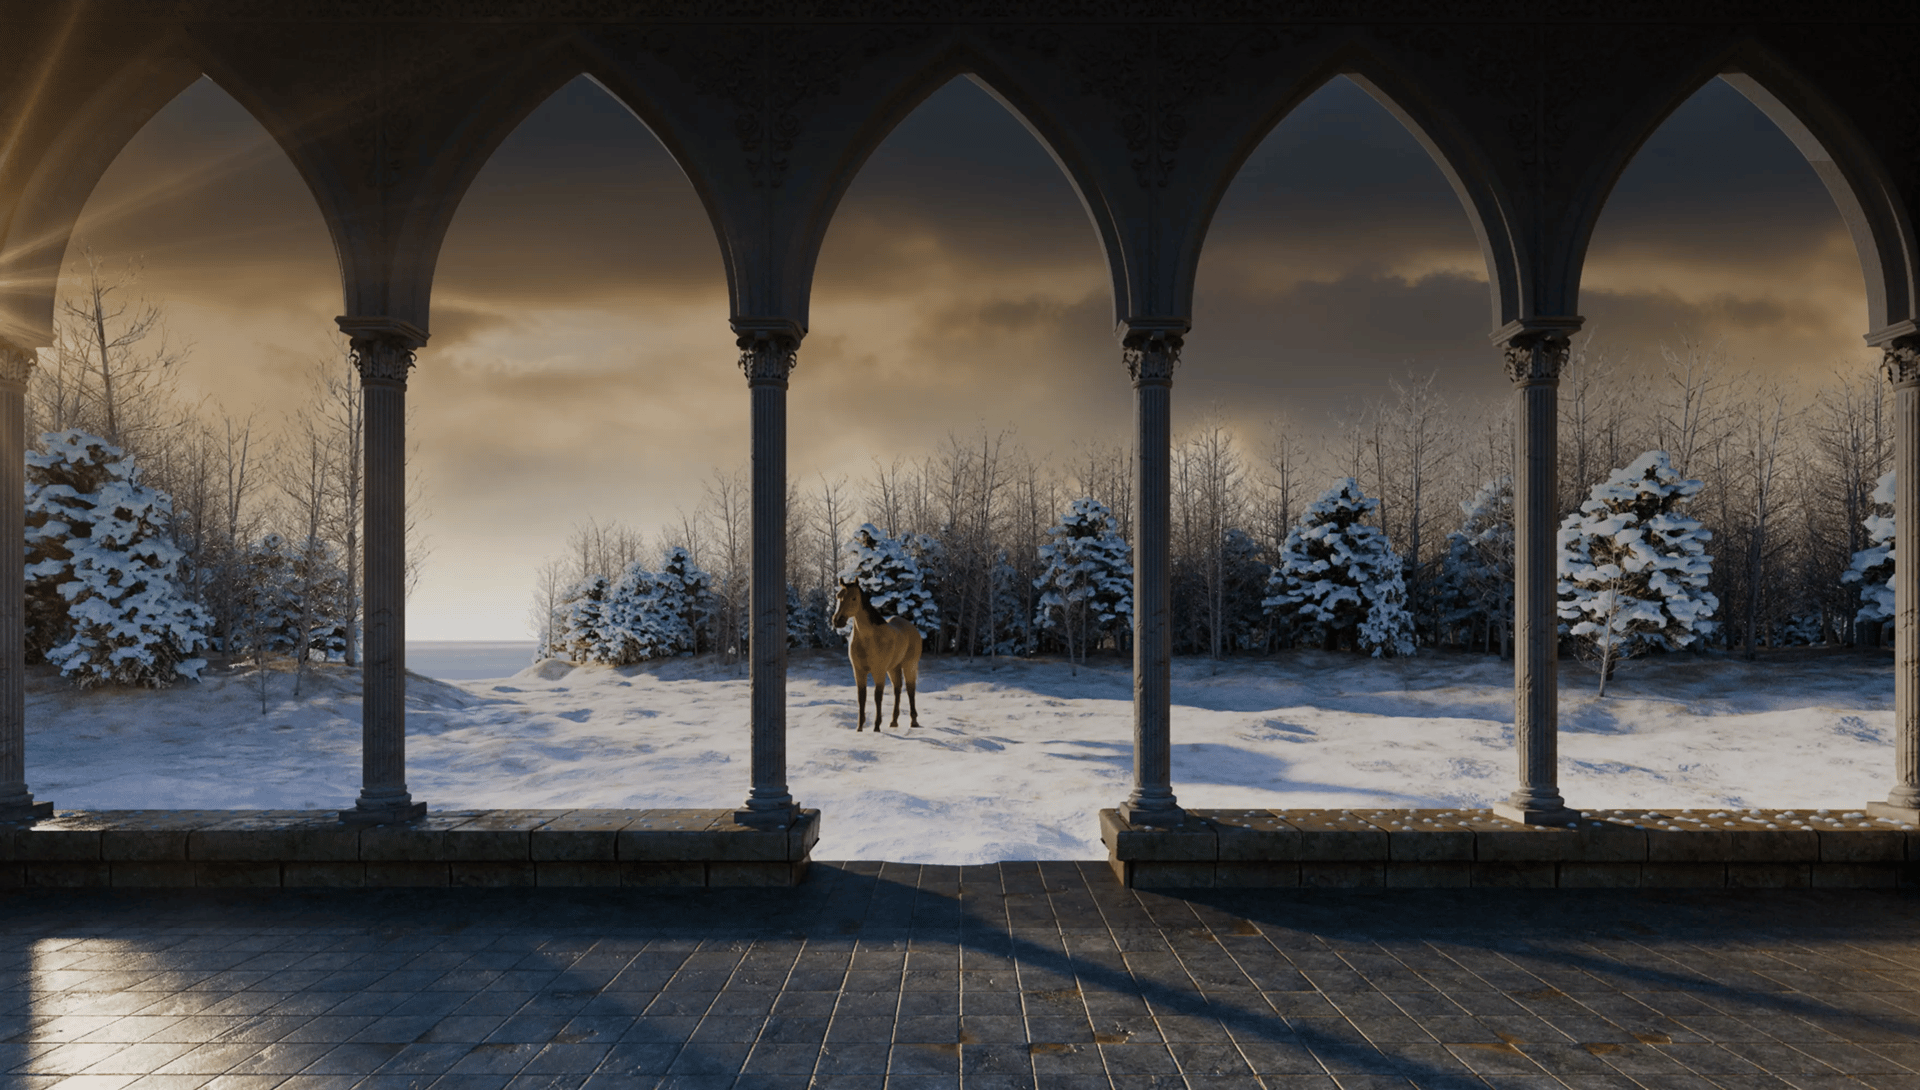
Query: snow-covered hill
point(1013, 758)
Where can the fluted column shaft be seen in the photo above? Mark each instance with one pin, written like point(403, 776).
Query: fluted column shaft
point(1151, 355)
point(383, 354)
point(1902, 363)
point(1535, 353)
point(16, 802)
point(767, 357)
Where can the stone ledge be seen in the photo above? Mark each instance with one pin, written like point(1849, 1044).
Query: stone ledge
point(229, 848)
point(1751, 849)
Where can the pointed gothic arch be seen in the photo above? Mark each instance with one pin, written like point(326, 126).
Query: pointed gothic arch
point(1453, 150)
point(1844, 161)
point(81, 143)
point(1019, 100)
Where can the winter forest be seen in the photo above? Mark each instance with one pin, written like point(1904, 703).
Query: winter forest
point(1701, 510)
point(162, 531)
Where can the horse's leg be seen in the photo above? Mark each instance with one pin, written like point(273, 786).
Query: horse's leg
point(860, 686)
point(897, 675)
point(913, 689)
point(879, 695)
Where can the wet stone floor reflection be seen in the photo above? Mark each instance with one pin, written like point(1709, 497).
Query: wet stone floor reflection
point(886, 977)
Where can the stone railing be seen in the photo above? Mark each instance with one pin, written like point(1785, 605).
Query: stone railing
point(445, 848)
point(1435, 848)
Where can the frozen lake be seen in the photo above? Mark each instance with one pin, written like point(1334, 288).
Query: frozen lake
point(467, 660)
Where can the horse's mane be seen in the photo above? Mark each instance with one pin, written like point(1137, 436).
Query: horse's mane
point(867, 610)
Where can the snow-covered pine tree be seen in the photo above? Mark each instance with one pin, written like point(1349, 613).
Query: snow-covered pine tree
point(322, 584)
point(819, 615)
point(1086, 582)
point(1872, 567)
point(801, 623)
point(1477, 572)
point(1633, 567)
point(102, 574)
point(637, 624)
point(687, 591)
point(269, 620)
point(585, 636)
point(892, 579)
point(1339, 579)
point(1011, 627)
point(1243, 580)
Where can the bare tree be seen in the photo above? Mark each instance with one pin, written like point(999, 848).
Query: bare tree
point(1593, 417)
point(544, 618)
point(1209, 498)
point(726, 514)
point(113, 371)
point(1696, 414)
point(1413, 442)
point(1284, 481)
point(306, 477)
point(1764, 435)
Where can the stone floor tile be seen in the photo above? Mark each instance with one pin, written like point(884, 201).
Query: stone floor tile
point(923, 1059)
point(141, 1059)
point(495, 1058)
point(559, 1059)
point(848, 1081)
point(281, 1058)
point(168, 1082)
point(525, 1081)
point(710, 1060)
point(636, 1059)
point(862, 1058)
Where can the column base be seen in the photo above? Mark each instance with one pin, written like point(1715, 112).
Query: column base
point(27, 811)
point(772, 817)
point(1161, 816)
point(1530, 816)
point(1892, 812)
point(391, 815)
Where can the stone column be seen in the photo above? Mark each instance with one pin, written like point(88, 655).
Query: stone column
point(767, 356)
point(382, 352)
point(1535, 351)
point(16, 802)
point(1152, 351)
point(1902, 363)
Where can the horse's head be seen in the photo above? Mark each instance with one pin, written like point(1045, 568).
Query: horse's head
point(847, 606)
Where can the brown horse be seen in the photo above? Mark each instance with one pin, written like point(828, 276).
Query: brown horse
point(883, 649)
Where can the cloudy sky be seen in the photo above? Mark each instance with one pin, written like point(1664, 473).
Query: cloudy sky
point(581, 364)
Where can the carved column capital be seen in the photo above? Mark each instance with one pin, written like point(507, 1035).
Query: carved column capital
point(382, 361)
point(382, 348)
point(1535, 349)
point(16, 363)
point(767, 356)
point(1536, 357)
point(1900, 360)
point(1152, 353)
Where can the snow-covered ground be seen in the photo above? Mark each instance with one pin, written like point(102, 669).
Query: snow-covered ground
point(1013, 758)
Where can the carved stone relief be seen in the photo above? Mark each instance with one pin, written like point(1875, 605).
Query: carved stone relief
point(767, 76)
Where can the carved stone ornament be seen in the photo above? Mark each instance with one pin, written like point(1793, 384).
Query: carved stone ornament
point(16, 363)
point(1536, 356)
point(768, 76)
point(767, 357)
point(1901, 361)
point(382, 361)
point(1151, 356)
point(1156, 78)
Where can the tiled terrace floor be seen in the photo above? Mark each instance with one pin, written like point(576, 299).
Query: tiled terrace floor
point(1015, 975)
